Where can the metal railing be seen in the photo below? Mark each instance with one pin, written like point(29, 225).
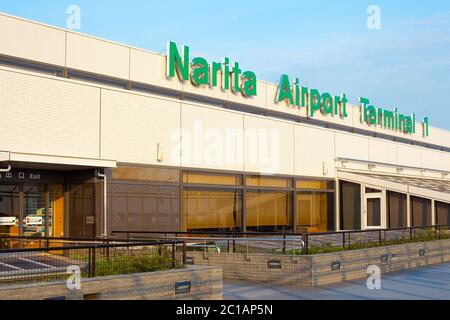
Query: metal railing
point(51, 263)
point(312, 242)
point(285, 245)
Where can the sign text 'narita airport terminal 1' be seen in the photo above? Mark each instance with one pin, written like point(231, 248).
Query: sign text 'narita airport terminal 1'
point(200, 72)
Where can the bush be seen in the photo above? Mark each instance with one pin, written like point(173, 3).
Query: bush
point(133, 264)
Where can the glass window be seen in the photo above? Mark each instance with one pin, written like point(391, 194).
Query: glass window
point(211, 210)
point(442, 213)
point(350, 205)
point(259, 181)
point(370, 190)
point(397, 210)
point(34, 210)
point(315, 185)
point(56, 211)
point(421, 212)
point(146, 174)
point(143, 207)
point(268, 211)
point(9, 210)
point(315, 211)
point(373, 212)
point(211, 179)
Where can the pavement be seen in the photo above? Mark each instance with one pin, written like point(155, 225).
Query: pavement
point(427, 283)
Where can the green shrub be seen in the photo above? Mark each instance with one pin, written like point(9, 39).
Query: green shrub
point(125, 264)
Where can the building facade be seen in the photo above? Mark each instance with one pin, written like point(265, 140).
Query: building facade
point(97, 137)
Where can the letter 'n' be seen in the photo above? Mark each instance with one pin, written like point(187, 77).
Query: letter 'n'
point(176, 62)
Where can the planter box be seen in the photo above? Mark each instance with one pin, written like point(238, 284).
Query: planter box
point(323, 269)
point(192, 283)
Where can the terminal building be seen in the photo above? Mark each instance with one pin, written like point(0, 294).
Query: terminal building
point(97, 137)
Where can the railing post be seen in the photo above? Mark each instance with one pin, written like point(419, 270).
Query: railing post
point(89, 266)
point(94, 263)
point(173, 255)
point(184, 253)
point(379, 237)
point(410, 234)
point(306, 244)
point(284, 243)
point(343, 240)
point(106, 250)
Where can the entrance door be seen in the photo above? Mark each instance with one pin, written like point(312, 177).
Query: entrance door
point(82, 211)
point(372, 209)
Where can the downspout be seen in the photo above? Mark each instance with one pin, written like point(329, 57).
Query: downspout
point(105, 202)
point(9, 166)
point(6, 170)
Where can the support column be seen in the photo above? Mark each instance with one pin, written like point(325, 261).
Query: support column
point(408, 210)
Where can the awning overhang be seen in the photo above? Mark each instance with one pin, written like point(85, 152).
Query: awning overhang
point(438, 189)
point(45, 162)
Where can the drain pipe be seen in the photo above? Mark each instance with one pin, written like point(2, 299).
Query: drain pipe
point(6, 170)
point(105, 202)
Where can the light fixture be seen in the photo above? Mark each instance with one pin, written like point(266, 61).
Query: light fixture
point(324, 168)
point(159, 153)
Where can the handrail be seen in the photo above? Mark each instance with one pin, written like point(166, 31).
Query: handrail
point(247, 241)
point(94, 246)
point(272, 233)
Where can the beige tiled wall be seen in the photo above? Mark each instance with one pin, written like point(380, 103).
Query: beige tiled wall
point(133, 126)
point(97, 56)
point(45, 116)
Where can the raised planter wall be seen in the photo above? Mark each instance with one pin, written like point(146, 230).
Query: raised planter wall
point(205, 284)
point(323, 269)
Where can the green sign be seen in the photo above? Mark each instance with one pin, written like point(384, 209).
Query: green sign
point(202, 73)
point(302, 97)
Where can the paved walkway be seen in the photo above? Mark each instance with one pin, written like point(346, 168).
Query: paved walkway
point(418, 284)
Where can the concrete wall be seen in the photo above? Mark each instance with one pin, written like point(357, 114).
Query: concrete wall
point(255, 267)
point(354, 264)
point(206, 284)
point(317, 270)
point(52, 116)
point(41, 115)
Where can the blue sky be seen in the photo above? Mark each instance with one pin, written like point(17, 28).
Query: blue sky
point(326, 43)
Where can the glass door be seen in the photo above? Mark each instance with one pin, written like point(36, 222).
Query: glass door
point(372, 212)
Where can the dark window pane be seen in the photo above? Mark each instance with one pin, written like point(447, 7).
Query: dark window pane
point(144, 207)
point(421, 211)
point(442, 213)
point(370, 190)
point(374, 212)
point(350, 203)
point(82, 208)
point(397, 210)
